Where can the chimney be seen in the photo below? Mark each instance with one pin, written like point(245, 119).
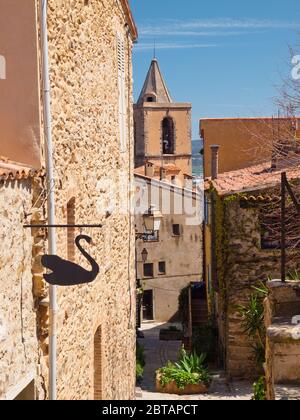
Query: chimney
point(297, 130)
point(149, 169)
point(214, 161)
point(163, 174)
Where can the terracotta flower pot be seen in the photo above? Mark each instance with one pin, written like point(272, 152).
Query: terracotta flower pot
point(171, 388)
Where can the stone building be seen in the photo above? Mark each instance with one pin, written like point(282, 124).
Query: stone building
point(174, 253)
point(90, 47)
point(18, 318)
point(163, 178)
point(162, 132)
point(240, 251)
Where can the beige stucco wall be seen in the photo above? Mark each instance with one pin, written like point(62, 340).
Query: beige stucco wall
point(243, 142)
point(85, 103)
point(18, 338)
point(19, 89)
point(182, 254)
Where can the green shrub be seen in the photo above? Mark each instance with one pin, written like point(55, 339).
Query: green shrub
point(253, 322)
point(140, 354)
point(139, 371)
point(293, 275)
point(259, 389)
point(189, 370)
point(140, 362)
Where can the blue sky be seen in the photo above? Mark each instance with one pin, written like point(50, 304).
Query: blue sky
point(224, 56)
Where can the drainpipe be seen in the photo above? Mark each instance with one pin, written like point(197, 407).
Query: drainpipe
point(51, 198)
point(214, 175)
point(214, 161)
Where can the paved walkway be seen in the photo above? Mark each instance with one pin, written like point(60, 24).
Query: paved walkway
point(159, 352)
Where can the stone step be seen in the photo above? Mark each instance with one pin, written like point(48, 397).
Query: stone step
point(287, 392)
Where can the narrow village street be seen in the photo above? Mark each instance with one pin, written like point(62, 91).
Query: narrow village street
point(158, 352)
point(149, 203)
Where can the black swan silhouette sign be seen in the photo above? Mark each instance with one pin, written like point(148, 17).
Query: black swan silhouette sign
point(66, 273)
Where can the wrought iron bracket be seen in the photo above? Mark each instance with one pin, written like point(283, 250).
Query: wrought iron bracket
point(41, 226)
point(143, 236)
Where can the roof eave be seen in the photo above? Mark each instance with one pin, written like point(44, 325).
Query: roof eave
point(130, 19)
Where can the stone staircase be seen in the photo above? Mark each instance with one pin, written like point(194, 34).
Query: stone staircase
point(199, 313)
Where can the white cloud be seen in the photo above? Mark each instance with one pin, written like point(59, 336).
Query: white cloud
point(171, 46)
point(195, 27)
point(160, 31)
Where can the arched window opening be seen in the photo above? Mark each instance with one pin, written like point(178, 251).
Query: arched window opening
point(168, 136)
point(150, 97)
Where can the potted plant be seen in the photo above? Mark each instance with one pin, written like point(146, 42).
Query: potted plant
point(188, 376)
point(170, 334)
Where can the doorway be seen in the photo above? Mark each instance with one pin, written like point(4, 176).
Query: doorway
point(148, 305)
point(98, 365)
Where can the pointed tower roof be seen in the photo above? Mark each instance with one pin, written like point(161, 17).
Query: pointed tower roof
point(154, 86)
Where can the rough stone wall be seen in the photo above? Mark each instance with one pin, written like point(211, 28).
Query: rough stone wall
point(88, 164)
point(244, 265)
point(18, 338)
point(283, 341)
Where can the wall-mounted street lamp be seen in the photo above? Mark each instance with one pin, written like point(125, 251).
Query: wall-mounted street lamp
point(144, 255)
point(152, 221)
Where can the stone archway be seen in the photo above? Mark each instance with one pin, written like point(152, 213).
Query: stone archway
point(98, 393)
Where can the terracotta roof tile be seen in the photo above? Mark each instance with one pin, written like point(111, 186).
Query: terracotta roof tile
point(14, 170)
point(250, 179)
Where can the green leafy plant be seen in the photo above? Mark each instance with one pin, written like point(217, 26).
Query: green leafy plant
point(259, 389)
point(140, 362)
point(191, 362)
point(293, 275)
point(171, 373)
point(253, 321)
point(189, 370)
point(139, 372)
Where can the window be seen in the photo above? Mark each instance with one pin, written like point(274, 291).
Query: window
point(150, 99)
point(176, 230)
point(122, 93)
point(168, 136)
point(71, 231)
point(162, 268)
point(148, 270)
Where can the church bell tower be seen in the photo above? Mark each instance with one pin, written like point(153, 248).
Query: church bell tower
point(162, 131)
